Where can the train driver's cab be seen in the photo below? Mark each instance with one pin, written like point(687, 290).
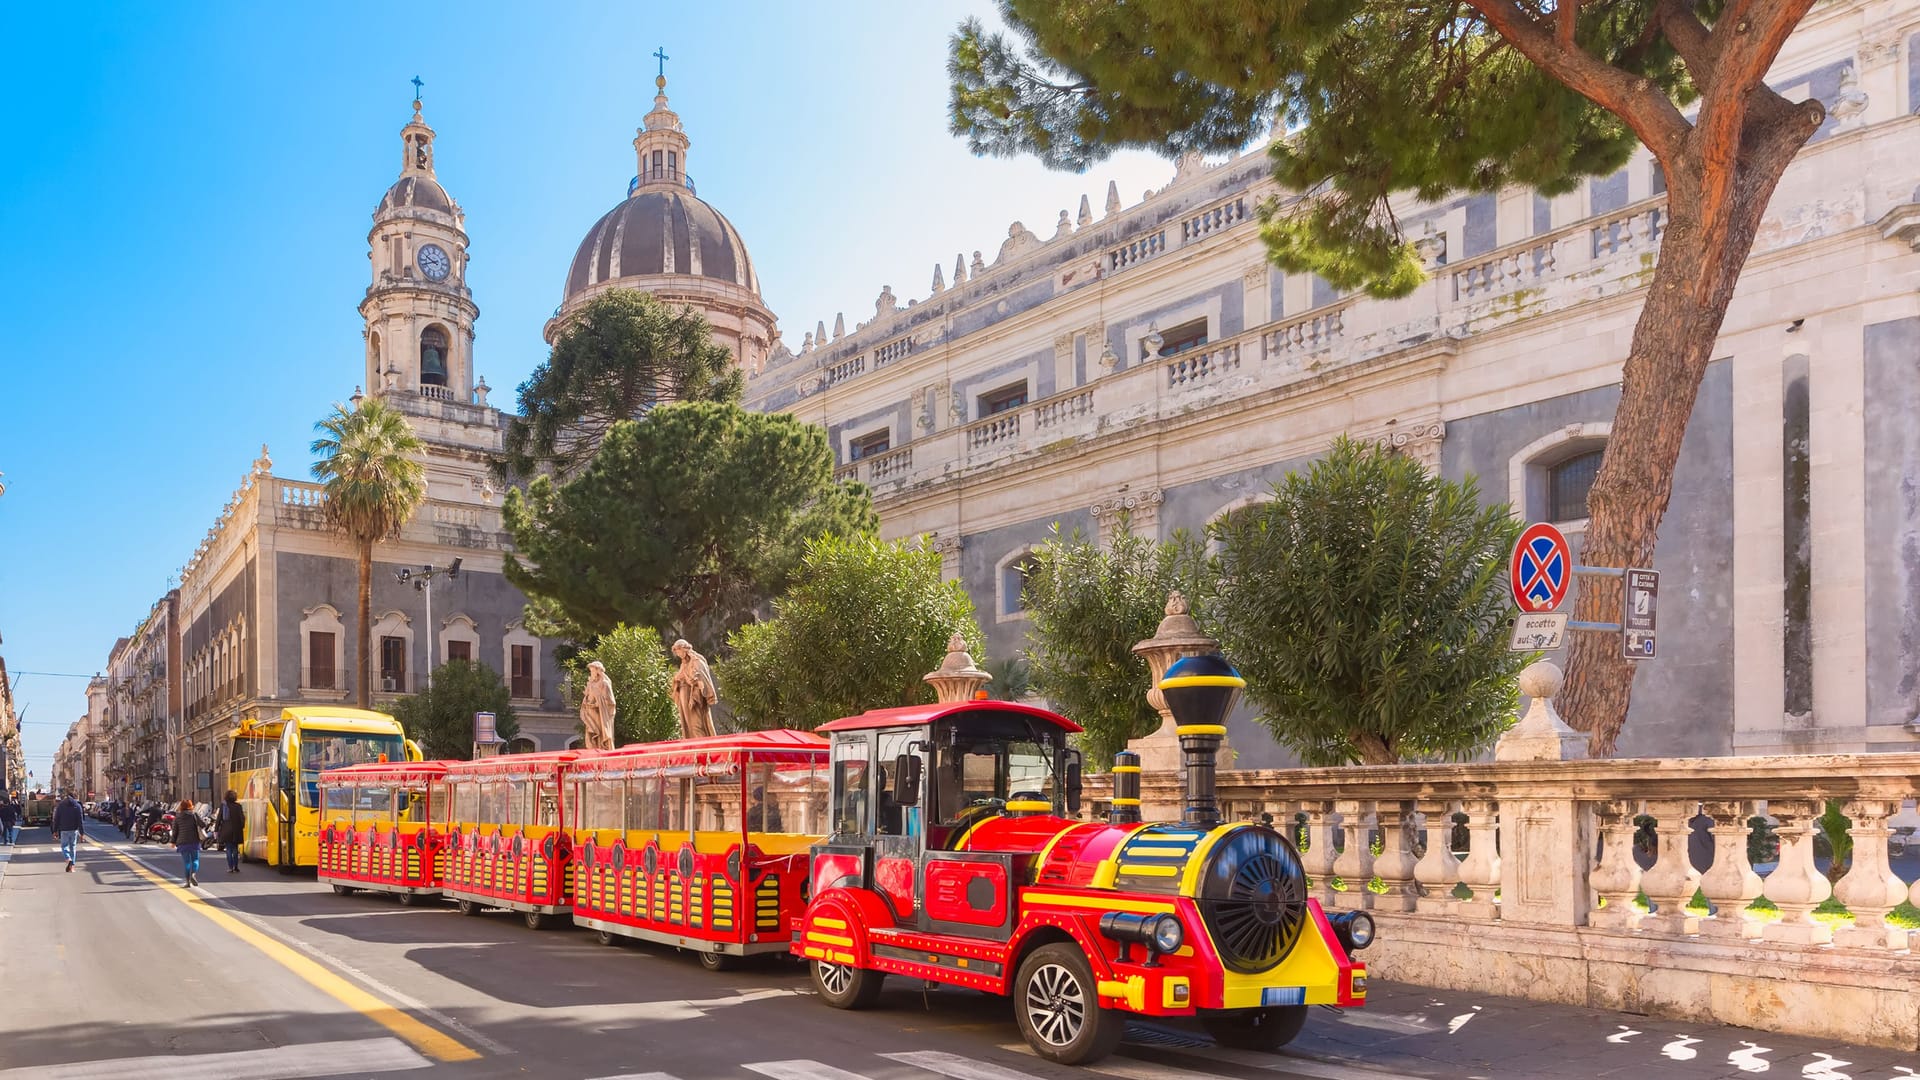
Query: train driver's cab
point(909, 785)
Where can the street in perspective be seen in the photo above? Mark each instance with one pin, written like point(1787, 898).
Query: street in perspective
point(1424, 589)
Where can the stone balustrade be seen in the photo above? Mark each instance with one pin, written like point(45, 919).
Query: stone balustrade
point(1688, 887)
point(1202, 365)
point(301, 505)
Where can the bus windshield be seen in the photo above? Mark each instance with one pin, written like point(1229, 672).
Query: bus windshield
point(322, 750)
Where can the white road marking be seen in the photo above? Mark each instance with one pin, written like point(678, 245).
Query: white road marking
point(1827, 1068)
point(1622, 1035)
point(640, 1076)
point(278, 1063)
point(800, 1069)
point(1117, 1066)
point(1325, 1070)
point(1454, 1025)
point(955, 1066)
point(1681, 1049)
point(1748, 1058)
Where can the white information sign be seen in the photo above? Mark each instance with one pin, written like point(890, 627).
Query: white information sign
point(1539, 631)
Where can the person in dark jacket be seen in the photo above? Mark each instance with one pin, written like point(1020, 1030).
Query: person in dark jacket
point(231, 822)
point(8, 817)
point(69, 825)
point(186, 840)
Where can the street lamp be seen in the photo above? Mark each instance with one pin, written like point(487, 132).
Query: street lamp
point(423, 583)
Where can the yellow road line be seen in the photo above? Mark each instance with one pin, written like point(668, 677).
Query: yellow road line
point(424, 1038)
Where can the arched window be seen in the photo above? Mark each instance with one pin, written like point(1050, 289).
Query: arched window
point(433, 357)
point(1013, 573)
point(1568, 484)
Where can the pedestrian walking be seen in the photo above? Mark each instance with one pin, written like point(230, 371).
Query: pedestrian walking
point(186, 840)
point(231, 822)
point(69, 825)
point(8, 817)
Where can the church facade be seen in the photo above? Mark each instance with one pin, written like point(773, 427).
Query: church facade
point(1147, 366)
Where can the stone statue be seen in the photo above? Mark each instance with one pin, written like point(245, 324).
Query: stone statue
point(693, 691)
point(597, 708)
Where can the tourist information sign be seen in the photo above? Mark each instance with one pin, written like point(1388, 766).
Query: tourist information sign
point(1541, 568)
point(1637, 622)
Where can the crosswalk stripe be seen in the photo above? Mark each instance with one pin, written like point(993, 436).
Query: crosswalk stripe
point(800, 1069)
point(1128, 1068)
point(640, 1076)
point(957, 1067)
point(277, 1063)
point(1323, 1070)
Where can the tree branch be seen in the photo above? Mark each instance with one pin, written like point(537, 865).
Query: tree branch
point(1643, 106)
point(1566, 18)
point(1743, 45)
point(1689, 37)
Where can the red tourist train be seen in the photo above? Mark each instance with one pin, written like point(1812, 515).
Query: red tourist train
point(936, 842)
point(955, 859)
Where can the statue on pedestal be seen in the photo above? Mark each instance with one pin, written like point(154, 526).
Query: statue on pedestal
point(597, 708)
point(693, 691)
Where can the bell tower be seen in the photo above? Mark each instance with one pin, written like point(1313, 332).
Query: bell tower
point(418, 310)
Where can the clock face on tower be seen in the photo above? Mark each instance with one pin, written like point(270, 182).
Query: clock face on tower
point(434, 262)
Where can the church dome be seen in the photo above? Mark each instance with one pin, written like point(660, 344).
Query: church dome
point(421, 191)
point(661, 231)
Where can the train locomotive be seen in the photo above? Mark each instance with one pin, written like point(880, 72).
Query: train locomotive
point(955, 859)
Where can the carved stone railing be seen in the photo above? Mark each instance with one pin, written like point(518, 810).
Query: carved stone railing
point(1213, 219)
point(1137, 251)
point(1059, 410)
point(844, 370)
point(301, 505)
point(1200, 365)
point(1687, 887)
point(1001, 429)
point(889, 465)
point(1316, 331)
point(437, 393)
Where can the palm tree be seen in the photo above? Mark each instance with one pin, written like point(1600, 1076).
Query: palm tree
point(373, 485)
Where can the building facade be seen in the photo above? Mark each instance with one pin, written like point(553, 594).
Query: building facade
point(1149, 367)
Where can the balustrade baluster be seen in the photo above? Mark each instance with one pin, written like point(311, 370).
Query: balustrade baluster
point(1616, 877)
point(1671, 881)
point(1438, 871)
point(1322, 825)
point(1730, 882)
point(1796, 887)
point(1480, 871)
point(1355, 865)
point(1870, 888)
point(1394, 866)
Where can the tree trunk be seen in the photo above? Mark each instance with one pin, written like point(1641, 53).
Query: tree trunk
point(364, 672)
point(1701, 255)
point(1375, 749)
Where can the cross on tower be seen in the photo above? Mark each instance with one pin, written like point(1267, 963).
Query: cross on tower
point(660, 54)
point(417, 84)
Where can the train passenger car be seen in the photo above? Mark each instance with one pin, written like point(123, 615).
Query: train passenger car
point(698, 843)
point(506, 846)
point(980, 877)
point(377, 831)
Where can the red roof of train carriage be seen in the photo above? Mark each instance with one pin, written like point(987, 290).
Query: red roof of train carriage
point(914, 715)
point(514, 763)
point(780, 746)
point(386, 770)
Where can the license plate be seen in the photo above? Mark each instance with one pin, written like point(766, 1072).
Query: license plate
point(1283, 995)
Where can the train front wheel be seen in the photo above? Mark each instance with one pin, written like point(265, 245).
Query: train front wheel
point(1266, 1029)
point(714, 961)
point(844, 986)
point(1057, 1004)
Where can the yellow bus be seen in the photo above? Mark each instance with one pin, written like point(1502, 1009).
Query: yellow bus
point(276, 765)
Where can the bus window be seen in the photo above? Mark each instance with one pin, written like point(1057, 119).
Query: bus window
point(320, 750)
point(850, 763)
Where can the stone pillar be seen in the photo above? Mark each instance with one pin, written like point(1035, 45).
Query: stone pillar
point(1482, 869)
point(1730, 882)
point(1437, 871)
point(1322, 825)
point(1671, 881)
point(1546, 844)
point(1617, 878)
point(956, 679)
point(1354, 867)
point(1870, 889)
point(1177, 637)
point(1796, 887)
point(1395, 865)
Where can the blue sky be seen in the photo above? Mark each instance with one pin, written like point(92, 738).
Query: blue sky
point(188, 188)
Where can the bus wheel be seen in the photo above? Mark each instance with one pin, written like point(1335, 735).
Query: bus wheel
point(468, 907)
point(607, 937)
point(716, 961)
point(1266, 1029)
point(844, 986)
point(1058, 1006)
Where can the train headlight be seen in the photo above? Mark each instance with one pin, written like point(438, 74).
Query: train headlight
point(1159, 933)
point(1354, 929)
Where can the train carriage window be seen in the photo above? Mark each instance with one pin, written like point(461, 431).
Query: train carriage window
point(716, 802)
point(895, 819)
point(463, 801)
point(643, 801)
point(546, 808)
point(674, 792)
point(518, 795)
point(850, 775)
point(412, 803)
point(778, 798)
point(493, 802)
point(339, 799)
point(373, 804)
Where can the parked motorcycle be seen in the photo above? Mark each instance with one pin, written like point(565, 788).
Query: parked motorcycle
point(160, 829)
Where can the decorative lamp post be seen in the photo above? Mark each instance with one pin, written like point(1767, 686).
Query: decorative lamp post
point(956, 679)
point(1177, 636)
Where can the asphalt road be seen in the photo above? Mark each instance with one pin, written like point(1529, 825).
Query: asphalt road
point(108, 972)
